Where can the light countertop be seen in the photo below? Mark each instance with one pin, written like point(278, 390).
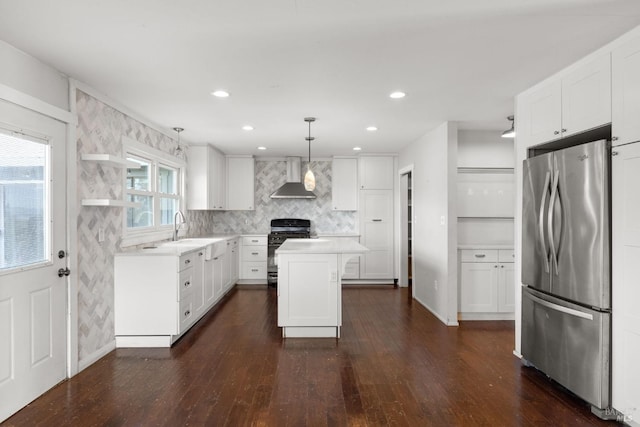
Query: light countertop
point(320, 246)
point(179, 247)
point(487, 247)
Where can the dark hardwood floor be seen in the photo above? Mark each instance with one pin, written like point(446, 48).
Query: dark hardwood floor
point(395, 364)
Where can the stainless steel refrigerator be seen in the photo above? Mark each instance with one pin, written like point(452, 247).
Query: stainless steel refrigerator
point(566, 295)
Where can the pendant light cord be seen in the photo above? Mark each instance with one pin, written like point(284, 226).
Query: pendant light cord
point(309, 139)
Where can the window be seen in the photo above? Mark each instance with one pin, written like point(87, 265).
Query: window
point(155, 185)
point(24, 215)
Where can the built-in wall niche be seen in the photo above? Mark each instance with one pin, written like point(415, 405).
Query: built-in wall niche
point(485, 193)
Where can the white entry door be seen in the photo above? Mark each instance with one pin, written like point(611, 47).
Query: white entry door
point(33, 299)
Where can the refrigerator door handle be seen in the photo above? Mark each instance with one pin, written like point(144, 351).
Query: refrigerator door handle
point(560, 308)
point(552, 203)
point(545, 251)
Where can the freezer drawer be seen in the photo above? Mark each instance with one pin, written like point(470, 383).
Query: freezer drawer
point(569, 343)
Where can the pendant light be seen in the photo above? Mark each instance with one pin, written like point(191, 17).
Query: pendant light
point(309, 179)
point(509, 133)
point(179, 152)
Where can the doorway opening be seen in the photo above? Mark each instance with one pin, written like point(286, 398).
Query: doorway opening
point(406, 232)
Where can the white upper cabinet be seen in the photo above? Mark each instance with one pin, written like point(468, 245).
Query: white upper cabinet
point(543, 113)
point(240, 183)
point(579, 101)
point(626, 92)
point(344, 184)
point(205, 178)
point(376, 173)
point(586, 97)
point(220, 189)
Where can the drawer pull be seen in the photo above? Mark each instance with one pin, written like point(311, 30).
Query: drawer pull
point(480, 255)
point(376, 220)
point(255, 270)
point(254, 241)
point(187, 313)
point(187, 284)
point(255, 253)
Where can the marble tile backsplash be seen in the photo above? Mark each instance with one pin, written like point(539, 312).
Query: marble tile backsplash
point(269, 176)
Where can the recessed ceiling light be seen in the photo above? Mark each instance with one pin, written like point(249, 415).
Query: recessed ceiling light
point(262, 148)
point(247, 127)
point(372, 128)
point(220, 93)
point(357, 148)
point(396, 95)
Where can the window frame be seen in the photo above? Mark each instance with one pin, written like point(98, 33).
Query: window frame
point(156, 158)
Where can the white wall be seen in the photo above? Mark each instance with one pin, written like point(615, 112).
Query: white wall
point(32, 77)
point(484, 149)
point(435, 225)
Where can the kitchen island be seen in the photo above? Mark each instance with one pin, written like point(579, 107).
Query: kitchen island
point(310, 285)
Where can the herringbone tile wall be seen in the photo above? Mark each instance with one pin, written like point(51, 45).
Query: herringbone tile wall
point(100, 130)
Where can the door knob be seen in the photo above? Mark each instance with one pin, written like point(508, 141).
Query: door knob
point(63, 272)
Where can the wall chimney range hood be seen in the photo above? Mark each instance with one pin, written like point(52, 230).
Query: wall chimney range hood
point(294, 188)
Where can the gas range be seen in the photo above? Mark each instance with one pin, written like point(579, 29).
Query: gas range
point(281, 230)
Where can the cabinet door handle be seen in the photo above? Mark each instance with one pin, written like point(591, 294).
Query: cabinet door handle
point(254, 253)
point(615, 138)
point(187, 284)
point(254, 270)
point(502, 266)
point(556, 132)
point(480, 255)
point(187, 313)
point(188, 261)
point(254, 241)
point(564, 130)
point(200, 253)
point(376, 220)
point(495, 266)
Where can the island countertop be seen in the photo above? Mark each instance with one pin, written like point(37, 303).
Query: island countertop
point(320, 246)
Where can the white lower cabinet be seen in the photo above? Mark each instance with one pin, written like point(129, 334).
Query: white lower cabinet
point(487, 287)
point(234, 260)
point(253, 259)
point(309, 295)
point(159, 296)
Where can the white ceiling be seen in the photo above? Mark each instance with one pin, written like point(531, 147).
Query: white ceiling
point(337, 60)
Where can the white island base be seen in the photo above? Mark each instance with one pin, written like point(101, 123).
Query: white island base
point(310, 286)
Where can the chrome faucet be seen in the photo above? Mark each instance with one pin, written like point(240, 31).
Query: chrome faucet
point(178, 219)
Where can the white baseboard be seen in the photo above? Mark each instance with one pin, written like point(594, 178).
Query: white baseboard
point(257, 282)
point(95, 356)
point(486, 316)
